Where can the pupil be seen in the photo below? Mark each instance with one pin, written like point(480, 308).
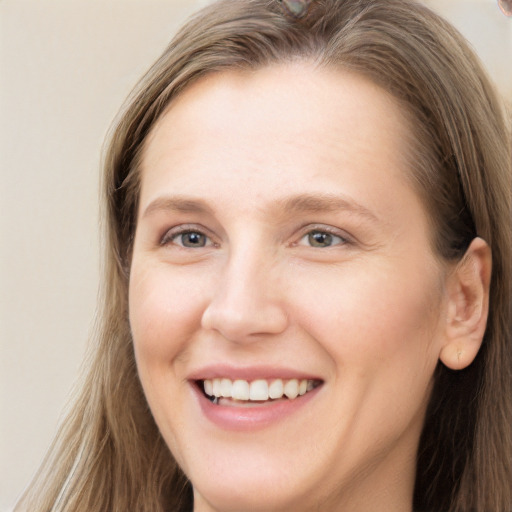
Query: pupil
point(193, 240)
point(319, 239)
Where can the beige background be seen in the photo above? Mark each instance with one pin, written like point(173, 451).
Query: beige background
point(65, 67)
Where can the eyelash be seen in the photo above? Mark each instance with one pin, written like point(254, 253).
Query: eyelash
point(171, 235)
point(324, 230)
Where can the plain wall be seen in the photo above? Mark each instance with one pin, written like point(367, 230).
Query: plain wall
point(65, 68)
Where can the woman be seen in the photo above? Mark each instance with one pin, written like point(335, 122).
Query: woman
point(307, 293)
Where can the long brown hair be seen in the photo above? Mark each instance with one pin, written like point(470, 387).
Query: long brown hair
point(109, 454)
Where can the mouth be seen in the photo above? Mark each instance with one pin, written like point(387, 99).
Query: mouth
point(250, 399)
point(257, 392)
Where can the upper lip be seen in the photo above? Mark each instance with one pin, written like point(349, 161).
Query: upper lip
point(249, 373)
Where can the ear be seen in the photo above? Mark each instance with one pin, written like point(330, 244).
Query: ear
point(468, 306)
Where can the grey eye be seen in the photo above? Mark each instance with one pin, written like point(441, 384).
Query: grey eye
point(321, 239)
point(191, 239)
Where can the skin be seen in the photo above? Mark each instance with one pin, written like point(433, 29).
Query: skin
point(366, 314)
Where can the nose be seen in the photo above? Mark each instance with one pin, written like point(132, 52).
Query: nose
point(247, 302)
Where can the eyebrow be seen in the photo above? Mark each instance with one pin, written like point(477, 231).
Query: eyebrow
point(316, 203)
point(303, 203)
point(179, 204)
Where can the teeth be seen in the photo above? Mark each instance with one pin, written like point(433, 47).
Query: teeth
point(240, 389)
point(226, 388)
point(291, 389)
point(216, 387)
point(275, 390)
point(258, 390)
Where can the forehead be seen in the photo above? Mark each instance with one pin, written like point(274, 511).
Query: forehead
point(287, 125)
point(301, 95)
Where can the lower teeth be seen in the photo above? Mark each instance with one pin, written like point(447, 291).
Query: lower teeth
point(244, 403)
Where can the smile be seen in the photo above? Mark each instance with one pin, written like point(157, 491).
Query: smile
point(258, 390)
point(254, 397)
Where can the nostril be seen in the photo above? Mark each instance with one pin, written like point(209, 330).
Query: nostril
point(246, 305)
point(245, 322)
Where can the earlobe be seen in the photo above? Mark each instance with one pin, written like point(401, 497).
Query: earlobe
point(468, 307)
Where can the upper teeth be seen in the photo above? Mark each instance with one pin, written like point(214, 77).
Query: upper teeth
point(257, 390)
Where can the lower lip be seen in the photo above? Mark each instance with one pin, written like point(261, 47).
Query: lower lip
point(251, 418)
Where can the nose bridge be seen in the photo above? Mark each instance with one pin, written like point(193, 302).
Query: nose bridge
point(247, 301)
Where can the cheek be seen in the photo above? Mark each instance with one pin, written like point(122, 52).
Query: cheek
point(372, 314)
point(165, 308)
point(163, 320)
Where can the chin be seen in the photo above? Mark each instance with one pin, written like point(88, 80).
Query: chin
point(252, 495)
point(252, 481)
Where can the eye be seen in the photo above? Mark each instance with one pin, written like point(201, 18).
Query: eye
point(190, 239)
point(321, 239)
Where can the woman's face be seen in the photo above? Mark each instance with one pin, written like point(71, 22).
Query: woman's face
point(281, 248)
